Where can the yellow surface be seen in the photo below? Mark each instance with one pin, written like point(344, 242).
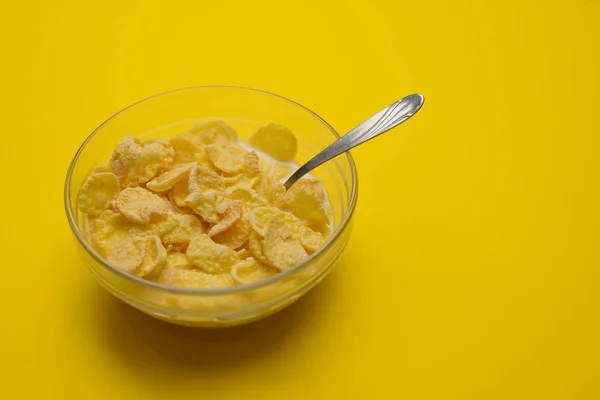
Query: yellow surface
point(475, 277)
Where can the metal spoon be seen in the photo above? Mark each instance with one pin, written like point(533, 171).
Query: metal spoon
point(383, 121)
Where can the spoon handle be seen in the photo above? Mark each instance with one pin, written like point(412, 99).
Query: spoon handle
point(384, 120)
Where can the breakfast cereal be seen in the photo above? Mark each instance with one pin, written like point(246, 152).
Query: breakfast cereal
point(168, 179)
point(281, 247)
point(209, 256)
point(97, 192)
point(138, 204)
point(230, 216)
point(204, 210)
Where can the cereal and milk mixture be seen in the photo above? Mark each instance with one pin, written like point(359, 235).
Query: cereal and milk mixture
point(202, 210)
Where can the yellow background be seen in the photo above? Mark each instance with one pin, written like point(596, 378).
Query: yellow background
point(473, 270)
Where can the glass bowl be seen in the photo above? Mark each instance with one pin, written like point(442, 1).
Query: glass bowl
point(163, 116)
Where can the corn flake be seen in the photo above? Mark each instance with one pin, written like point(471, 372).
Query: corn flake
point(310, 240)
point(281, 247)
point(96, 225)
point(203, 160)
point(157, 157)
point(250, 198)
point(186, 227)
point(322, 227)
point(111, 224)
point(209, 256)
point(208, 204)
point(306, 200)
point(179, 193)
point(125, 159)
point(227, 158)
point(121, 251)
point(143, 257)
point(261, 217)
point(154, 256)
point(207, 193)
point(232, 214)
point(109, 233)
point(236, 235)
point(184, 146)
point(97, 192)
point(272, 187)
point(241, 181)
point(275, 140)
point(256, 248)
point(168, 179)
point(138, 205)
point(157, 227)
point(136, 163)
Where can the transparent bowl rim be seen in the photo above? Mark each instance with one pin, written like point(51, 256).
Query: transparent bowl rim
point(216, 291)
